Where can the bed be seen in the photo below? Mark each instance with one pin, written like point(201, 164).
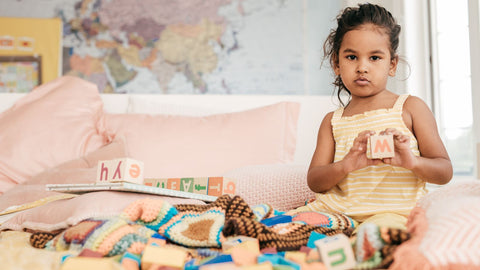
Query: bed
point(57, 134)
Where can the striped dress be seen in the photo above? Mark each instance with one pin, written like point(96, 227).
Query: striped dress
point(374, 189)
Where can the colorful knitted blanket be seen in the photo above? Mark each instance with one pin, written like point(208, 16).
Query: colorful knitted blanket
point(206, 226)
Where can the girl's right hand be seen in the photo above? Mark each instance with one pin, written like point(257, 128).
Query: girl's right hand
point(356, 158)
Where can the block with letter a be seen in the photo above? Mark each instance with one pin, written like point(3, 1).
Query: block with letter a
point(120, 170)
point(381, 146)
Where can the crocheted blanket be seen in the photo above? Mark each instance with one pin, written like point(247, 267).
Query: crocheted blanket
point(205, 227)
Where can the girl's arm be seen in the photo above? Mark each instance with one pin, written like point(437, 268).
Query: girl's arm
point(323, 173)
point(433, 165)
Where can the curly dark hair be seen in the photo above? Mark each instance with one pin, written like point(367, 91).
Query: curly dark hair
point(350, 19)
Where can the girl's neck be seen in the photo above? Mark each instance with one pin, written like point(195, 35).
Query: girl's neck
point(359, 104)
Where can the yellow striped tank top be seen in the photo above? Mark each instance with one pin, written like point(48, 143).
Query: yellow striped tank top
point(374, 189)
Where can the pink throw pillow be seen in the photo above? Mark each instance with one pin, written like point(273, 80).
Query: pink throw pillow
point(186, 146)
point(63, 213)
point(81, 170)
point(56, 122)
point(282, 186)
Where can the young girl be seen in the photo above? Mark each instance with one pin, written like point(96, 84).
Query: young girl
point(363, 54)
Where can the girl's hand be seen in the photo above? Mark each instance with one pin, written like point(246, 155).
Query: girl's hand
point(356, 158)
point(403, 155)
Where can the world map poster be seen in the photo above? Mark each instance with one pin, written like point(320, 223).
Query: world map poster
point(191, 46)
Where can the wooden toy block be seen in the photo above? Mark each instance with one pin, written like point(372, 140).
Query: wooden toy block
point(336, 252)
point(163, 256)
point(242, 256)
point(120, 170)
point(81, 263)
point(381, 146)
point(244, 242)
point(187, 184)
point(200, 185)
point(155, 182)
point(173, 183)
point(215, 186)
point(260, 266)
point(296, 256)
point(229, 186)
point(220, 266)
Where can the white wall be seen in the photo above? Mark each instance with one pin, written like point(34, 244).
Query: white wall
point(474, 25)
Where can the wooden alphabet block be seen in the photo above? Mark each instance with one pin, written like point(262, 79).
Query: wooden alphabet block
point(163, 256)
point(245, 242)
point(229, 186)
point(381, 146)
point(296, 256)
point(80, 263)
point(120, 170)
point(336, 252)
point(213, 186)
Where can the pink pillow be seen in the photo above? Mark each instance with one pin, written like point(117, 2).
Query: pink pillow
point(58, 121)
point(81, 170)
point(282, 186)
point(186, 146)
point(445, 228)
point(63, 213)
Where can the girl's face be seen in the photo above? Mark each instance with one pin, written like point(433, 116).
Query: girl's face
point(364, 61)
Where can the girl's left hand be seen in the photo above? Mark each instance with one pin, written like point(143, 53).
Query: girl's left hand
point(403, 155)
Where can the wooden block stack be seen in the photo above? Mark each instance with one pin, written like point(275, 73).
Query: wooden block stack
point(213, 186)
point(120, 170)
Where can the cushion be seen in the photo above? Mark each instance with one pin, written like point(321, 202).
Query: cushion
point(445, 228)
point(187, 146)
point(81, 170)
point(58, 121)
point(61, 214)
point(273, 184)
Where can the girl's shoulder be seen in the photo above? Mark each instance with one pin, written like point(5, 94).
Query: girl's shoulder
point(414, 104)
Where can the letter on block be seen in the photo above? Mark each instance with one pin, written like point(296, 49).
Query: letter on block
point(336, 252)
point(381, 146)
point(120, 170)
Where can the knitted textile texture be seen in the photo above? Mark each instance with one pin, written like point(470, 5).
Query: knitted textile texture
point(109, 237)
point(195, 226)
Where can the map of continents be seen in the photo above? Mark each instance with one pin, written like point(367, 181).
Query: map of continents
point(194, 46)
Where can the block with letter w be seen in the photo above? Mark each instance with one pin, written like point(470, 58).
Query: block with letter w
point(381, 146)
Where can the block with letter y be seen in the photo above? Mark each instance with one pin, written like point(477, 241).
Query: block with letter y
point(120, 170)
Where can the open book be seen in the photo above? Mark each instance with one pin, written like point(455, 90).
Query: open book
point(127, 187)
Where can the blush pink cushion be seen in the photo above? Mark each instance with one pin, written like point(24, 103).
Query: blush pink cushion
point(186, 146)
point(282, 186)
point(56, 122)
point(63, 213)
point(445, 229)
point(81, 170)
